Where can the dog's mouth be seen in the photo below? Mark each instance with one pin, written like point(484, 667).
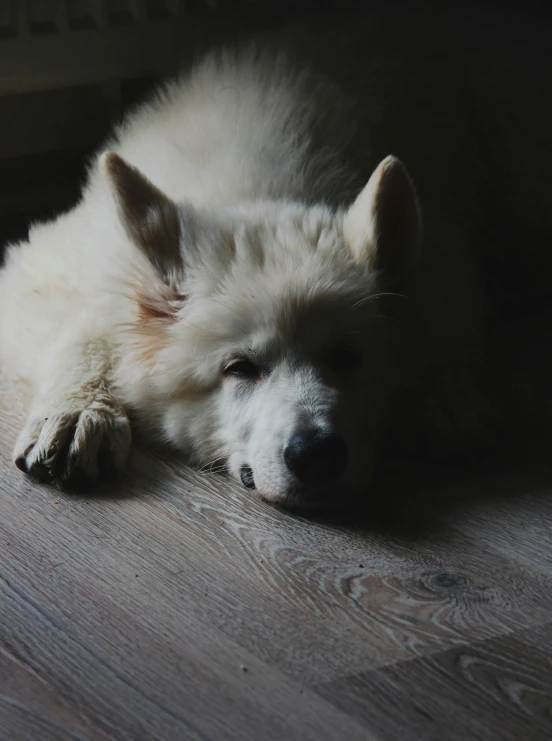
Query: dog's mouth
point(313, 469)
point(299, 498)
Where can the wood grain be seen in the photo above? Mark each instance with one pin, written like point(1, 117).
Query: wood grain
point(500, 688)
point(513, 516)
point(176, 605)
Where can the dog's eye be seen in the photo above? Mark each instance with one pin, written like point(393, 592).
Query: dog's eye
point(344, 358)
point(242, 368)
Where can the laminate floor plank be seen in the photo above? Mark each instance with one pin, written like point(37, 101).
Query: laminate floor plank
point(495, 689)
point(175, 605)
point(362, 599)
point(512, 515)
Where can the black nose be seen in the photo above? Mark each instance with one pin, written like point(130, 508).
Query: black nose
point(316, 457)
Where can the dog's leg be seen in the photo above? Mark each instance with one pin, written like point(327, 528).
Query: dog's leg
point(77, 429)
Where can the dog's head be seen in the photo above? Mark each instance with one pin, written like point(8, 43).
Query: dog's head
point(263, 340)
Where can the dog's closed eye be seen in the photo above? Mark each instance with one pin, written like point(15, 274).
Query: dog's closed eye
point(242, 368)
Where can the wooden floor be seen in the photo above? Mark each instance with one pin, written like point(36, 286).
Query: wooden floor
point(176, 606)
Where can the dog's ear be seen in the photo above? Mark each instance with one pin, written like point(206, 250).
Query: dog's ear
point(382, 225)
point(151, 220)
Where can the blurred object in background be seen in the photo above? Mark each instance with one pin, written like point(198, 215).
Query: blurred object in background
point(69, 68)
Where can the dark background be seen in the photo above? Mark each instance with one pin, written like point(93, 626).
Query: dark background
point(68, 70)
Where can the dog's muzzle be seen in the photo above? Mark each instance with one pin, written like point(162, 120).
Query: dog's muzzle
point(316, 457)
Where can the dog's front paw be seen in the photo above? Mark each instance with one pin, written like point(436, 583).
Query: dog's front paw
point(74, 446)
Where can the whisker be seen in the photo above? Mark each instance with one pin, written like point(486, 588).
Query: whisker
point(210, 466)
point(374, 296)
point(388, 318)
point(215, 470)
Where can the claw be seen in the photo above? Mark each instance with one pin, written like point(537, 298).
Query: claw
point(21, 463)
point(85, 448)
point(41, 472)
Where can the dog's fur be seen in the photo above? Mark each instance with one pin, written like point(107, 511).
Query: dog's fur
point(229, 279)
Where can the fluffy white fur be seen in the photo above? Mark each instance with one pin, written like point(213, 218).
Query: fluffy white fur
point(225, 226)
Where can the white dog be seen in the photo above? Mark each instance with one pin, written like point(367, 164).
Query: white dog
point(236, 281)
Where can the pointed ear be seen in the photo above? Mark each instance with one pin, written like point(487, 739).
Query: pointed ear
point(151, 220)
point(382, 226)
